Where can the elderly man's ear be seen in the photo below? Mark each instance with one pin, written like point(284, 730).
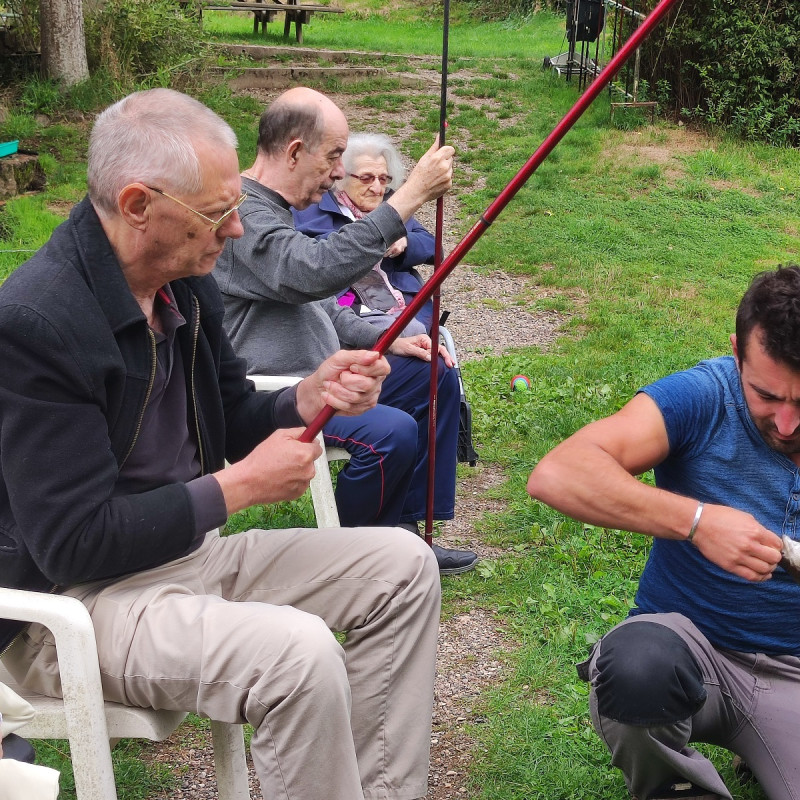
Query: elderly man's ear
point(135, 205)
point(292, 151)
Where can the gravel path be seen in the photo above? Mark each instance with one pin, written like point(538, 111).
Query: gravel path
point(471, 645)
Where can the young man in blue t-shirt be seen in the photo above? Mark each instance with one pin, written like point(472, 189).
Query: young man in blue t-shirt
point(711, 651)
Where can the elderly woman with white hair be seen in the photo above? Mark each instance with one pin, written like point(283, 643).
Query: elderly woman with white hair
point(374, 170)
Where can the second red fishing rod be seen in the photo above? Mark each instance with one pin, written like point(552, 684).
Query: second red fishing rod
point(505, 197)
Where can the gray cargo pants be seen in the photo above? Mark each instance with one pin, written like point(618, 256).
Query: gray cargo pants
point(658, 684)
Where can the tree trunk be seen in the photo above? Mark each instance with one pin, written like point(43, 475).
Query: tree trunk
point(63, 42)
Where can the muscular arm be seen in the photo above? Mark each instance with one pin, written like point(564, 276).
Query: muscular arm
point(591, 476)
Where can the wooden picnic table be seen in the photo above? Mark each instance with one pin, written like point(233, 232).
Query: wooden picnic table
point(264, 12)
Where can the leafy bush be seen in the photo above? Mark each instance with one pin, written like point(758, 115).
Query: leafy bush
point(132, 39)
point(126, 40)
point(733, 63)
point(25, 30)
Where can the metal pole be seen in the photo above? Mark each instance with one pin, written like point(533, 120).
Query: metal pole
point(437, 262)
point(505, 196)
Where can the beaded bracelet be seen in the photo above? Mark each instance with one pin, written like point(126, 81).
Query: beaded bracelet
point(695, 522)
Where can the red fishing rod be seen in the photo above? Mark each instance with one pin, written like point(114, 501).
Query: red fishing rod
point(437, 263)
point(504, 198)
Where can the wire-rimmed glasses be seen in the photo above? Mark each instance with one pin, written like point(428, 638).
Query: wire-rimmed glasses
point(215, 223)
point(368, 178)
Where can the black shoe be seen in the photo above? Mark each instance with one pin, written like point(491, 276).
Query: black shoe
point(682, 790)
point(413, 527)
point(454, 562)
point(18, 748)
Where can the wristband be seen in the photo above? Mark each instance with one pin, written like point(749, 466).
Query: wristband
point(695, 522)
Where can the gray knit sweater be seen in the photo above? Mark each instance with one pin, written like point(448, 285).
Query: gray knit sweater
point(278, 285)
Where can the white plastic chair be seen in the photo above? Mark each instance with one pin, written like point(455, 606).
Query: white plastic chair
point(321, 486)
point(322, 496)
point(89, 722)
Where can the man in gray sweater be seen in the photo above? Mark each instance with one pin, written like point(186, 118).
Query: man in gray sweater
point(282, 317)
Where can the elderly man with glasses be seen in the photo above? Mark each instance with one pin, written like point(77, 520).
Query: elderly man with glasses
point(120, 400)
point(282, 315)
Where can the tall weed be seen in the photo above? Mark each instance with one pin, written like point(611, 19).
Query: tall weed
point(133, 39)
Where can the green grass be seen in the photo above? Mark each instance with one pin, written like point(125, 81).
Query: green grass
point(400, 33)
point(646, 237)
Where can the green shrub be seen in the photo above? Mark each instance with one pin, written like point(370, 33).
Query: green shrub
point(40, 95)
point(25, 30)
point(732, 63)
point(127, 41)
point(132, 39)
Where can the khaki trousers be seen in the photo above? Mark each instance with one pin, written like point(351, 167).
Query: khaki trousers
point(239, 631)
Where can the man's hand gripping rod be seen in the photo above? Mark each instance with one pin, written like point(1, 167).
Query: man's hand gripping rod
point(503, 199)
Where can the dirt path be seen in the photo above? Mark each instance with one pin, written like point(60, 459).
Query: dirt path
point(471, 645)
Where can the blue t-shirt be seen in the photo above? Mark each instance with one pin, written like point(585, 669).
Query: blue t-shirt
point(718, 456)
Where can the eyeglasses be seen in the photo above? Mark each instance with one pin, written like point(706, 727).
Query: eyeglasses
point(215, 223)
point(369, 178)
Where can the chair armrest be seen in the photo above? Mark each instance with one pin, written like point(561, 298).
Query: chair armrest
point(321, 488)
point(269, 383)
point(69, 621)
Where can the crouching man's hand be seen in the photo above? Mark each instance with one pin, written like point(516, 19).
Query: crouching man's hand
point(349, 381)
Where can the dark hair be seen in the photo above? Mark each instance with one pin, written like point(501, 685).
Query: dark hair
point(284, 121)
point(772, 304)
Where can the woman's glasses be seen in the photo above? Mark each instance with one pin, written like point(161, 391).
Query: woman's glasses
point(368, 178)
point(215, 223)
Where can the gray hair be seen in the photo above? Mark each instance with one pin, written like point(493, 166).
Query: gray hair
point(150, 137)
point(375, 145)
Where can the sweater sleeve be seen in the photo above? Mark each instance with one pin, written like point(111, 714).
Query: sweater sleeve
point(420, 248)
point(274, 261)
point(354, 333)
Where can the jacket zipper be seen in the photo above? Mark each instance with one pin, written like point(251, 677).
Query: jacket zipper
point(130, 449)
point(195, 335)
point(147, 396)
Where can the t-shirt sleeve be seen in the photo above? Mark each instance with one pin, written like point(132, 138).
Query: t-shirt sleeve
point(689, 402)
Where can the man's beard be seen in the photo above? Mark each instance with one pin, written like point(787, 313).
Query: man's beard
point(787, 447)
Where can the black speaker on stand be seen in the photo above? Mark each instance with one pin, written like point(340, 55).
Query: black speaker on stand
point(584, 23)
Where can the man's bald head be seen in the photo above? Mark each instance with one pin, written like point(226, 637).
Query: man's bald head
point(298, 113)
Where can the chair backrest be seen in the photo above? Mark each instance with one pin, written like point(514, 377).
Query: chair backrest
point(322, 496)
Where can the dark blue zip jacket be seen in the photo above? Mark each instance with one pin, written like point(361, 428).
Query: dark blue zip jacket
point(76, 362)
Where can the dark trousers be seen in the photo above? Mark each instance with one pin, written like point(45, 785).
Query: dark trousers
point(385, 481)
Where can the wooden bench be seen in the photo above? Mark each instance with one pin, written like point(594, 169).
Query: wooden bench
point(264, 12)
